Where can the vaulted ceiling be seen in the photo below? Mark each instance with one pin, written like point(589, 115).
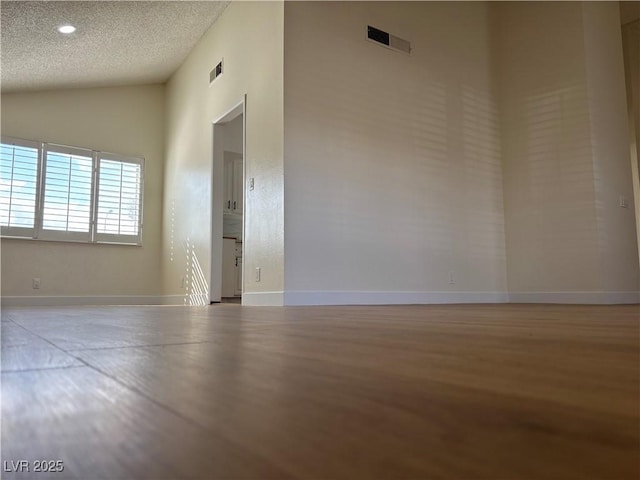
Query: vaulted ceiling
point(116, 42)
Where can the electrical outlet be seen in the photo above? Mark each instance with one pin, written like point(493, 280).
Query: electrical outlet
point(36, 283)
point(452, 279)
point(258, 271)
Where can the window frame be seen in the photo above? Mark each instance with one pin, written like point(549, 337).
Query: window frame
point(38, 232)
point(43, 233)
point(116, 237)
point(24, 232)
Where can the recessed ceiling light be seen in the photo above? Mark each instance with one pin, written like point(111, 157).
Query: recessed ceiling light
point(67, 29)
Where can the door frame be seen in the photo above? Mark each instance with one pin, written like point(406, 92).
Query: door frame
point(217, 192)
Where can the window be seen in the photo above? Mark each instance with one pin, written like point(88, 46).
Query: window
point(66, 199)
point(55, 192)
point(18, 187)
point(119, 198)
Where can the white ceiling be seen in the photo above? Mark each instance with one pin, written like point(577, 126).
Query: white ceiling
point(116, 42)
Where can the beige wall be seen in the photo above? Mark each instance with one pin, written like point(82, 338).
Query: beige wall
point(393, 170)
point(610, 146)
point(631, 36)
point(125, 120)
point(565, 154)
point(249, 35)
point(392, 161)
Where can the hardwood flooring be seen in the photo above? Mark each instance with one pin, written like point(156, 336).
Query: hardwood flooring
point(397, 392)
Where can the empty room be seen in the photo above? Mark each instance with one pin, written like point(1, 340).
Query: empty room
point(320, 240)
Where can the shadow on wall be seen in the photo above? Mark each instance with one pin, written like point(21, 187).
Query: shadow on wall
point(552, 198)
point(557, 148)
point(481, 169)
point(195, 280)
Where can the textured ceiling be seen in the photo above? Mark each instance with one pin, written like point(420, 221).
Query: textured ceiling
point(116, 42)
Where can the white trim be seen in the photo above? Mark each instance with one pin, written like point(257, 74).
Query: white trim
point(233, 112)
point(20, 142)
point(173, 299)
point(340, 298)
point(263, 299)
point(389, 298)
point(217, 208)
point(590, 298)
point(244, 195)
point(59, 301)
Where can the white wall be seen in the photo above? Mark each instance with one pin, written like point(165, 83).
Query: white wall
point(610, 146)
point(392, 161)
point(125, 120)
point(381, 173)
point(249, 36)
point(565, 152)
point(631, 37)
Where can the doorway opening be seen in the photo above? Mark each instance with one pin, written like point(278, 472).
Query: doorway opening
point(228, 190)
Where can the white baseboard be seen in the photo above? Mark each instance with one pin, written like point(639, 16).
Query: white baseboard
point(339, 298)
point(390, 298)
point(263, 299)
point(185, 300)
point(173, 300)
point(589, 298)
point(60, 301)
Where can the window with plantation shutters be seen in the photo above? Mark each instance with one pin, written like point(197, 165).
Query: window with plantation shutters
point(66, 202)
point(119, 199)
point(55, 192)
point(19, 160)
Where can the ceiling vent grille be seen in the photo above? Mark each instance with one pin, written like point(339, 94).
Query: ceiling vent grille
point(387, 40)
point(216, 72)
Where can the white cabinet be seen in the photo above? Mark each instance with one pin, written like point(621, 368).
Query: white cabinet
point(228, 267)
point(231, 267)
point(238, 276)
point(238, 273)
point(233, 183)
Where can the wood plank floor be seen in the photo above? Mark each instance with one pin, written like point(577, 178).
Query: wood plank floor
point(398, 392)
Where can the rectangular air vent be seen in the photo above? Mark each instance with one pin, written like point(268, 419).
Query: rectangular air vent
point(387, 40)
point(216, 72)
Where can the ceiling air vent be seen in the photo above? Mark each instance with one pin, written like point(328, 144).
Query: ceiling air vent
point(216, 72)
point(387, 40)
